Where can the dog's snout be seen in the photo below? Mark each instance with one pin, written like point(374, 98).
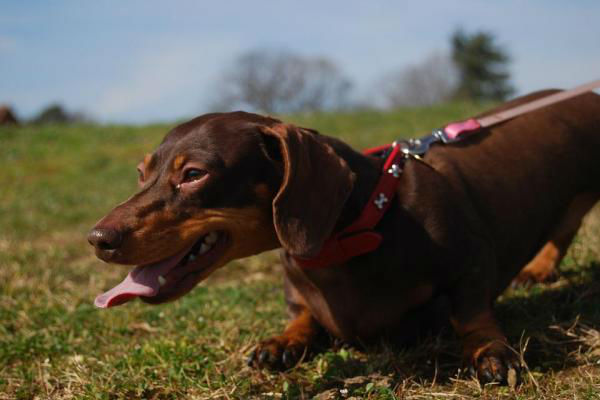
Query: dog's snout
point(106, 241)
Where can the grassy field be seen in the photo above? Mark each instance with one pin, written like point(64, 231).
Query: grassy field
point(56, 181)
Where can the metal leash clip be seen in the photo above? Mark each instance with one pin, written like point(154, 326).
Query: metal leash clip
point(420, 146)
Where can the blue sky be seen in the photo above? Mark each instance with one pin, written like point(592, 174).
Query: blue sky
point(143, 61)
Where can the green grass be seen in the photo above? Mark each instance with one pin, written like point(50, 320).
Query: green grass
point(56, 181)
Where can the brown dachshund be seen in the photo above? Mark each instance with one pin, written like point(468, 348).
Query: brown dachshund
point(467, 219)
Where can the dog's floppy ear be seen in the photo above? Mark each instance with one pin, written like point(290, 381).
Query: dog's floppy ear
point(315, 185)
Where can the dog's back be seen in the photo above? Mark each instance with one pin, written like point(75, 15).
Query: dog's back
point(541, 163)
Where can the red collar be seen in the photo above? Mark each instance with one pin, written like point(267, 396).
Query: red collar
point(360, 237)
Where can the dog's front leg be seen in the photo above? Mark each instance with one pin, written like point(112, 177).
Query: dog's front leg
point(286, 350)
point(485, 347)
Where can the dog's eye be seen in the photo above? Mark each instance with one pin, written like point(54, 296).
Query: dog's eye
point(140, 175)
point(193, 174)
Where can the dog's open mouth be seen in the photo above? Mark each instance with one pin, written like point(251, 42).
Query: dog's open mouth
point(171, 277)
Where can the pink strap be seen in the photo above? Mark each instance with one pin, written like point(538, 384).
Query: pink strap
point(457, 130)
point(539, 103)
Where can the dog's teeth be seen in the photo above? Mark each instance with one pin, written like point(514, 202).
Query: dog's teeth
point(211, 238)
point(192, 257)
point(161, 280)
point(204, 248)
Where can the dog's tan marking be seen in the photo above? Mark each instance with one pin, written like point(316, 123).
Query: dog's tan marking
point(544, 264)
point(148, 160)
point(147, 165)
point(297, 337)
point(302, 328)
point(162, 234)
point(479, 334)
point(178, 162)
point(250, 228)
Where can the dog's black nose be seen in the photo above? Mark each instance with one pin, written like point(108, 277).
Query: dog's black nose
point(106, 241)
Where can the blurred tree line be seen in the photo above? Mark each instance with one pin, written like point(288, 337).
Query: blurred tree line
point(277, 81)
point(52, 114)
point(56, 113)
point(280, 81)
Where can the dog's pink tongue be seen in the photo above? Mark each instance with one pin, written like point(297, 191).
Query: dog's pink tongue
point(141, 281)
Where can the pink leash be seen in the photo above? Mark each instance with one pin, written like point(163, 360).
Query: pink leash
point(454, 130)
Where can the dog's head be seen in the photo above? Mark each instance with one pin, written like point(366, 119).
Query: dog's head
point(218, 188)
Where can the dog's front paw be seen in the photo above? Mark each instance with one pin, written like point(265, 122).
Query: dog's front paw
point(498, 364)
point(277, 353)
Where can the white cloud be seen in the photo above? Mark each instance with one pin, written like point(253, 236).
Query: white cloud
point(171, 75)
